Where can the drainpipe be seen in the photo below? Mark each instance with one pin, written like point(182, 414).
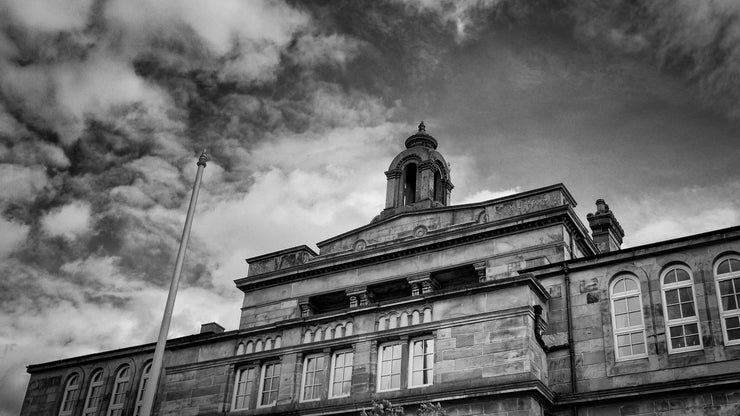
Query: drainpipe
point(571, 347)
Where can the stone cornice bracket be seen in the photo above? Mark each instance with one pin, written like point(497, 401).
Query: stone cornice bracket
point(422, 284)
point(307, 308)
point(359, 296)
point(480, 268)
point(393, 174)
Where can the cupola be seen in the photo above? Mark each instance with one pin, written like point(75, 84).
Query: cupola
point(418, 178)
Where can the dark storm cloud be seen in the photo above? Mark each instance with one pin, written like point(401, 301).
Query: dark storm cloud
point(105, 105)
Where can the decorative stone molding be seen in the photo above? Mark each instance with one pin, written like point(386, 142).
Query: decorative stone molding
point(480, 268)
point(307, 308)
point(253, 345)
point(359, 296)
point(359, 245)
point(422, 284)
point(403, 318)
point(331, 330)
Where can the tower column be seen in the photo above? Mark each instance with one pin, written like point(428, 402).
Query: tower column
point(391, 192)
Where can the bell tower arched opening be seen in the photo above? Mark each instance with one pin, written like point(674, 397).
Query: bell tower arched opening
point(409, 184)
point(438, 188)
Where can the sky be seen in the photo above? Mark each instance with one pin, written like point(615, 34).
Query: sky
point(105, 106)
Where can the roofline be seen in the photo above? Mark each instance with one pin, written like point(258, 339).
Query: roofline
point(173, 343)
point(559, 186)
point(279, 252)
point(324, 265)
point(611, 256)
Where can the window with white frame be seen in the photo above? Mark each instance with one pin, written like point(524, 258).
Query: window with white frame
point(120, 390)
point(94, 393)
point(626, 308)
point(679, 306)
point(313, 377)
point(146, 374)
point(270, 381)
point(341, 374)
point(244, 388)
point(727, 278)
point(421, 355)
point(69, 397)
point(389, 366)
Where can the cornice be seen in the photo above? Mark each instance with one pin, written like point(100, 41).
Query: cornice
point(671, 386)
point(433, 241)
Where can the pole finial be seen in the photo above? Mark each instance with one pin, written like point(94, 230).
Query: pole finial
point(422, 127)
point(203, 158)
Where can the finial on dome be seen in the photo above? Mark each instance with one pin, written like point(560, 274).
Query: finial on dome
point(422, 127)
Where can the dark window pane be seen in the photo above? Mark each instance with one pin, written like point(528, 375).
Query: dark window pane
point(734, 265)
point(674, 312)
point(729, 303)
point(682, 275)
point(725, 287)
point(630, 284)
point(733, 334)
point(685, 294)
point(724, 267)
point(670, 277)
point(678, 342)
point(691, 329)
point(671, 297)
point(692, 340)
point(633, 304)
point(688, 309)
point(676, 331)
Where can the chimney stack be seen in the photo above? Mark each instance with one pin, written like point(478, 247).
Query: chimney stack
point(211, 328)
point(605, 229)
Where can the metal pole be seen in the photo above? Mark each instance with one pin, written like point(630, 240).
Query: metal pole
point(151, 388)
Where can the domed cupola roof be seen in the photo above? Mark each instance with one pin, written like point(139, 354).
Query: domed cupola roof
point(421, 138)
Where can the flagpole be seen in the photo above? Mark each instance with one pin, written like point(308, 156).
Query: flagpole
point(151, 388)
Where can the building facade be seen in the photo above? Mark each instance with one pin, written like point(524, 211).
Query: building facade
point(505, 307)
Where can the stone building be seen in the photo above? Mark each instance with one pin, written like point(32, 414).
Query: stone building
point(504, 307)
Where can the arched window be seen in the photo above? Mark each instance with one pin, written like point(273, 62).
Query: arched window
point(727, 278)
point(240, 349)
point(94, 394)
point(142, 387)
point(69, 397)
point(120, 391)
point(679, 308)
point(438, 190)
point(629, 329)
point(409, 184)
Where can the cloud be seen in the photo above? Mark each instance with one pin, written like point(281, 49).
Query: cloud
point(20, 183)
point(13, 235)
point(50, 15)
point(673, 213)
point(69, 221)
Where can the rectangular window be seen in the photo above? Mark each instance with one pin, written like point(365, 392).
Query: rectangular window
point(341, 373)
point(422, 362)
point(270, 383)
point(389, 367)
point(243, 388)
point(313, 377)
